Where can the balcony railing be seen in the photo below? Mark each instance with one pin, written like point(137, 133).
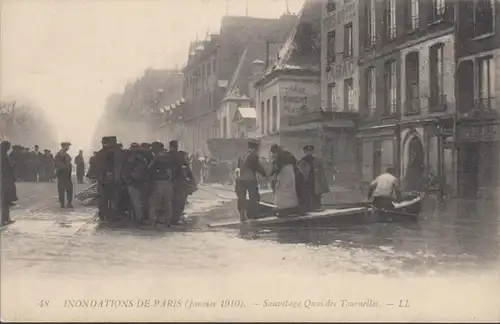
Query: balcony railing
point(438, 103)
point(485, 107)
point(412, 106)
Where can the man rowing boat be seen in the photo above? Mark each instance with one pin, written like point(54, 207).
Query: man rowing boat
point(384, 189)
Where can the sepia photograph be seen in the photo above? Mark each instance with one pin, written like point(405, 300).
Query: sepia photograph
point(250, 160)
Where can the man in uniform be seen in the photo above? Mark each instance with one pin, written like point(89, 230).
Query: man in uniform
point(384, 189)
point(135, 177)
point(246, 181)
point(63, 168)
point(184, 181)
point(315, 180)
point(161, 174)
point(108, 174)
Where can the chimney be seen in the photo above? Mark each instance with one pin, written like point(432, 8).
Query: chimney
point(258, 67)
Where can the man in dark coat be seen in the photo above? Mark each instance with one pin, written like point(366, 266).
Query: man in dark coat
point(8, 194)
point(184, 181)
point(63, 168)
point(108, 173)
point(135, 176)
point(315, 180)
point(246, 181)
point(37, 157)
point(80, 166)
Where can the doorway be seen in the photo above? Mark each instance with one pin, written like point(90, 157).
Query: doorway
point(415, 180)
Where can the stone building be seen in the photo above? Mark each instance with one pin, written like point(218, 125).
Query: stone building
point(288, 93)
point(478, 97)
point(407, 89)
point(340, 51)
point(210, 68)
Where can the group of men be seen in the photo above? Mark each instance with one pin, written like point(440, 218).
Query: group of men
point(145, 182)
point(32, 165)
point(298, 186)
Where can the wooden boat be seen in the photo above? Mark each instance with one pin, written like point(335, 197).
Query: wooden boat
point(356, 213)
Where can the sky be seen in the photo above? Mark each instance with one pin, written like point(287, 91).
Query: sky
point(67, 56)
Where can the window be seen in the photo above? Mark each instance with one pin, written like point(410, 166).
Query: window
point(348, 38)
point(262, 118)
point(390, 88)
point(412, 104)
point(330, 6)
point(486, 80)
point(414, 15)
point(390, 20)
point(371, 91)
point(268, 115)
point(332, 97)
point(438, 10)
point(275, 114)
point(483, 17)
point(331, 47)
point(371, 25)
point(348, 95)
point(436, 66)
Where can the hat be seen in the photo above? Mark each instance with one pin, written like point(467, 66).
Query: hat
point(308, 148)
point(109, 140)
point(157, 145)
point(253, 143)
point(65, 144)
point(173, 143)
point(274, 148)
point(145, 145)
point(134, 145)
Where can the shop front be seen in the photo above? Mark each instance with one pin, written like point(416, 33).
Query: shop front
point(478, 150)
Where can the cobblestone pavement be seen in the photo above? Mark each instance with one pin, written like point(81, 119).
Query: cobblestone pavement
point(60, 256)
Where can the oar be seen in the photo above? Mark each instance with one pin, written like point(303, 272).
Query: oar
point(354, 204)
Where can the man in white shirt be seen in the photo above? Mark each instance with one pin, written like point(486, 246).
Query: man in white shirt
point(385, 189)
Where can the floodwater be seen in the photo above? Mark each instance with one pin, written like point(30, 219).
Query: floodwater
point(444, 268)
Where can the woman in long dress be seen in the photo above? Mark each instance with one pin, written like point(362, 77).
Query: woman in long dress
point(287, 182)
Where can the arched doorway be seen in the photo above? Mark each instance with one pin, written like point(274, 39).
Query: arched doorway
point(415, 180)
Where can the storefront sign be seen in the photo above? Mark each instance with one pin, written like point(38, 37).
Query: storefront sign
point(341, 71)
point(296, 99)
point(345, 13)
point(484, 132)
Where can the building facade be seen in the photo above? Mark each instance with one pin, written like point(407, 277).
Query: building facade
point(407, 70)
point(288, 93)
point(212, 64)
point(340, 52)
point(478, 97)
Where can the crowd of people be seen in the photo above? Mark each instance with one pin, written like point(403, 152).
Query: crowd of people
point(32, 165)
point(146, 183)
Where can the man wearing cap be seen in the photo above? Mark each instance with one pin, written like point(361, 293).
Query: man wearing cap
point(315, 180)
point(63, 168)
point(80, 166)
point(108, 172)
point(135, 176)
point(162, 171)
point(246, 181)
point(184, 181)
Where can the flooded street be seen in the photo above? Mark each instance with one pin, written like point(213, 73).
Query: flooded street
point(445, 268)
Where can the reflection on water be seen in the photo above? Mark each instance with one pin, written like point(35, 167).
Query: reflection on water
point(461, 235)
